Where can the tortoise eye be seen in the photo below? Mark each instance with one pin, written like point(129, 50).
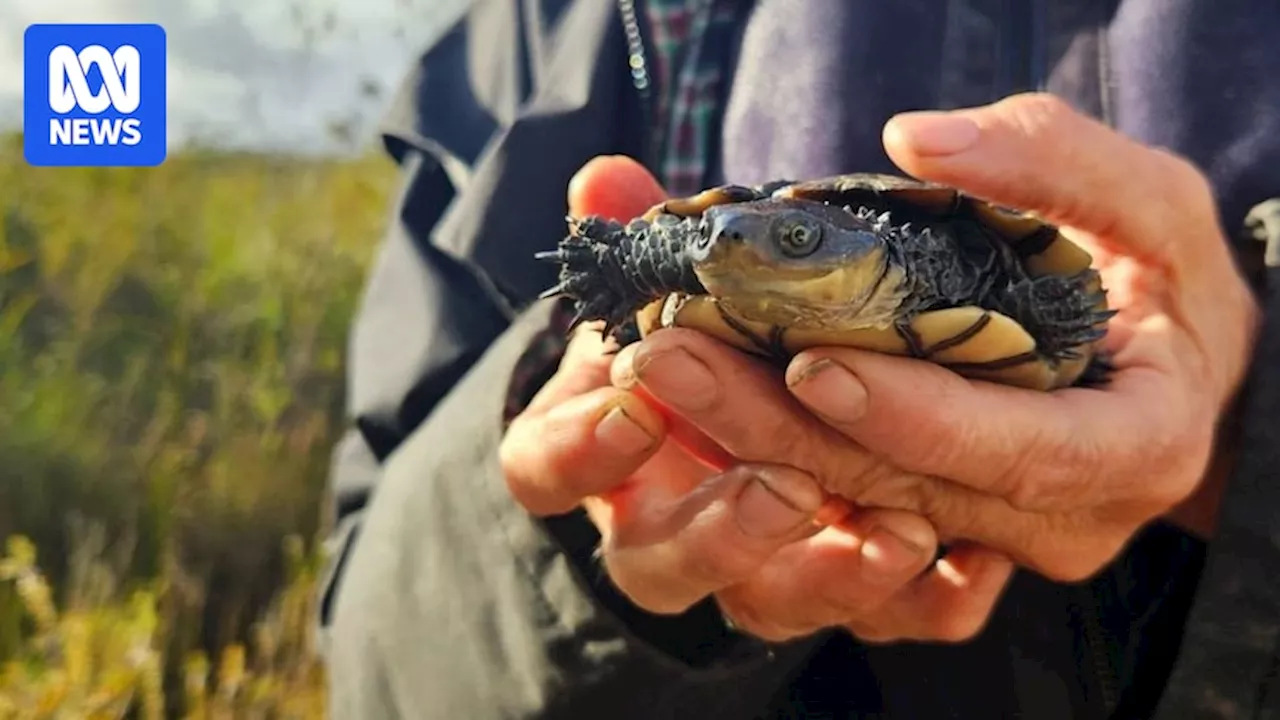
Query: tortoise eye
point(799, 238)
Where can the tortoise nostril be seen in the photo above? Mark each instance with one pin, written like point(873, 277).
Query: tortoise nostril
point(727, 231)
point(725, 228)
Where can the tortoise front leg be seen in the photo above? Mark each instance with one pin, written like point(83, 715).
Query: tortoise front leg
point(1098, 372)
point(626, 333)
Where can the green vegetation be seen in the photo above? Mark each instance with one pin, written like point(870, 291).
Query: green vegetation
point(171, 371)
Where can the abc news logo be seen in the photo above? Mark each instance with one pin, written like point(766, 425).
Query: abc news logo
point(95, 95)
point(69, 90)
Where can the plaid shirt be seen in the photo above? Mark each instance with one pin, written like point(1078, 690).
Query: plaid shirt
point(689, 40)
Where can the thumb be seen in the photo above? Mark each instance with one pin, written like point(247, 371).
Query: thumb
point(613, 186)
point(923, 418)
point(1034, 152)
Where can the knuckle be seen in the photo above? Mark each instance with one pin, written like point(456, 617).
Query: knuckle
point(530, 500)
point(1190, 187)
point(767, 631)
point(872, 633)
point(749, 618)
point(521, 484)
point(934, 505)
point(1023, 496)
point(949, 508)
point(856, 477)
point(552, 485)
point(1071, 569)
point(844, 598)
point(509, 453)
point(1012, 483)
point(946, 507)
point(1039, 114)
point(656, 602)
point(962, 625)
point(511, 449)
point(851, 604)
point(771, 633)
point(887, 487)
point(643, 590)
point(959, 627)
point(712, 564)
point(1082, 562)
point(775, 437)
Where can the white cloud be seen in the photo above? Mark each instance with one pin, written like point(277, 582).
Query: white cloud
point(271, 74)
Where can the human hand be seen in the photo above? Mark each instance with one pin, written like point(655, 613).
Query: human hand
point(681, 520)
point(1074, 473)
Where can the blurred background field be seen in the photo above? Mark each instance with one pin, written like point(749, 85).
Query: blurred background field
point(171, 360)
point(171, 369)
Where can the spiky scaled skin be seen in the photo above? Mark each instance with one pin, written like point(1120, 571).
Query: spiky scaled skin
point(611, 270)
point(959, 263)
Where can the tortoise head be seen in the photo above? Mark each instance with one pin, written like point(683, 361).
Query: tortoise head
point(798, 263)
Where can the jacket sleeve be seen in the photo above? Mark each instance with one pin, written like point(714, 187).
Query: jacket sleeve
point(443, 597)
point(424, 320)
point(457, 603)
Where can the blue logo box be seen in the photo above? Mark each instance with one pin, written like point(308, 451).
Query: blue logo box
point(94, 95)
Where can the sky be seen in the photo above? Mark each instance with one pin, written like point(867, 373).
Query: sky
point(274, 75)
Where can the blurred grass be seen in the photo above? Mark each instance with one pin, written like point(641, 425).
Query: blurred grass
point(171, 370)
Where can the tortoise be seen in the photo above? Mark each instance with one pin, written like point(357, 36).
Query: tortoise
point(872, 261)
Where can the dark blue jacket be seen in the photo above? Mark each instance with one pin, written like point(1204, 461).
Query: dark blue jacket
point(447, 600)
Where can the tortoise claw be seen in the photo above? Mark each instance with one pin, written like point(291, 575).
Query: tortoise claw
point(1097, 373)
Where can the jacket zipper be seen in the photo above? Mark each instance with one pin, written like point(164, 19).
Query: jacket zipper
point(1096, 644)
point(642, 80)
point(1024, 68)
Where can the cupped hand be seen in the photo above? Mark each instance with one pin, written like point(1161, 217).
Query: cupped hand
point(682, 520)
point(1060, 481)
point(1080, 469)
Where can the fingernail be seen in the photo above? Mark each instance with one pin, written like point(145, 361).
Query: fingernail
point(830, 389)
point(622, 371)
point(621, 433)
point(934, 133)
point(774, 504)
point(677, 378)
point(887, 555)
